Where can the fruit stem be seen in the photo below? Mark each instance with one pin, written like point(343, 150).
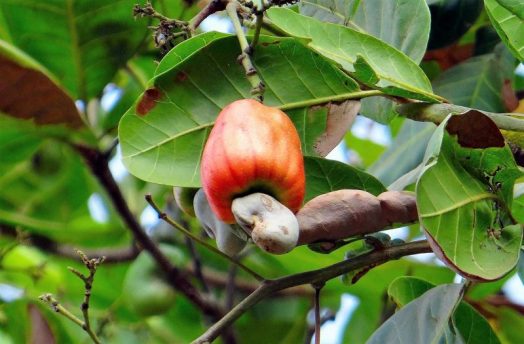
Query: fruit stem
point(257, 85)
point(163, 216)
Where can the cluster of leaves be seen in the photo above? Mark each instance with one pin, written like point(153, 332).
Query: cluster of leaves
point(60, 61)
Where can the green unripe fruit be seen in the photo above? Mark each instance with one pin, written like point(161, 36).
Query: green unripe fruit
point(145, 290)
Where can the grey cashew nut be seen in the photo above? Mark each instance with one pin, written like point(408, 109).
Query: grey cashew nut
point(228, 239)
point(272, 226)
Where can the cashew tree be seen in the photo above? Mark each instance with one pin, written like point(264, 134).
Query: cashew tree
point(234, 171)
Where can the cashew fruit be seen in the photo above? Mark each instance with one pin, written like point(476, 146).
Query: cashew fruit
point(229, 239)
point(145, 290)
point(252, 148)
point(272, 226)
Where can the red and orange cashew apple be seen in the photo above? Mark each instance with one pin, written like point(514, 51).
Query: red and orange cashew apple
point(252, 148)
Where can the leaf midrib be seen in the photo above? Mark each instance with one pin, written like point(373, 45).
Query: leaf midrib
point(171, 138)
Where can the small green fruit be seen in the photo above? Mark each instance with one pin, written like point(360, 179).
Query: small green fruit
point(145, 289)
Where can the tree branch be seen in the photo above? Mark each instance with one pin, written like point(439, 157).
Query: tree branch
point(98, 164)
point(44, 243)
point(212, 7)
point(211, 277)
point(319, 276)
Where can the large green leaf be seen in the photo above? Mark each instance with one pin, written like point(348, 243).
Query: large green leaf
point(434, 307)
point(323, 176)
point(56, 174)
point(368, 59)
point(405, 152)
point(310, 124)
point(18, 141)
point(507, 17)
point(463, 200)
point(29, 91)
point(518, 203)
point(472, 326)
point(511, 322)
point(477, 83)
point(163, 134)
point(404, 24)
point(83, 43)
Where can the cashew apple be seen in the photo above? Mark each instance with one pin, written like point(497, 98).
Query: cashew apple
point(252, 148)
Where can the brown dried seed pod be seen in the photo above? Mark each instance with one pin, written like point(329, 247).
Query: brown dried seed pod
point(346, 213)
point(398, 207)
point(339, 214)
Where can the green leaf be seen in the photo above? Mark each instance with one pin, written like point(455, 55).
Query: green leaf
point(53, 174)
point(473, 327)
point(405, 289)
point(18, 330)
point(507, 16)
point(511, 322)
point(29, 91)
point(285, 318)
point(518, 206)
point(359, 54)
point(476, 83)
point(463, 201)
point(323, 176)
point(90, 39)
point(18, 142)
point(310, 124)
point(436, 306)
point(372, 287)
point(182, 324)
point(514, 6)
point(520, 271)
point(404, 153)
point(162, 139)
point(404, 24)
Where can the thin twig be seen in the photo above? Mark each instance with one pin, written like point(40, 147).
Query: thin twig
point(197, 264)
point(258, 27)
point(163, 216)
point(57, 307)
point(113, 255)
point(316, 276)
point(91, 265)
point(257, 86)
point(230, 287)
